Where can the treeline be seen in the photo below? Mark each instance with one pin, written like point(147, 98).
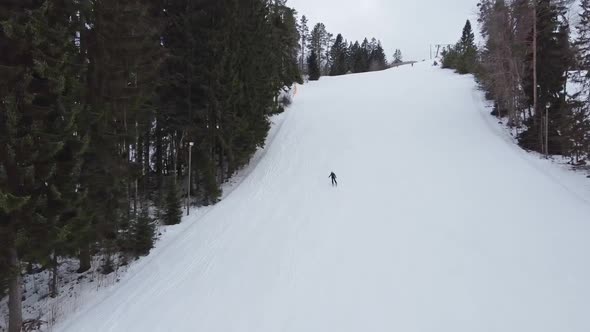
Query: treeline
point(321, 54)
point(527, 44)
point(100, 102)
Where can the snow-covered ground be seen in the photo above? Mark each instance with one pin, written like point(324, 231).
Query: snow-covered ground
point(440, 224)
point(75, 289)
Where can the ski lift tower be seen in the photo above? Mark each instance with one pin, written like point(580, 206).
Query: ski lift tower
point(438, 48)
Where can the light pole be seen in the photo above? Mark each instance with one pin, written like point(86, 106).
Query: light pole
point(188, 193)
point(547, 131)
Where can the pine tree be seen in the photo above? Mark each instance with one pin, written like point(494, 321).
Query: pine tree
point(463, 55)
point(142, 232)
point(467, 51)
point(554, 56)
point(98, 101)
point(450, 57)
point(123, 56)
point(339, 54)
point(173, 209)
point(313, 67)
point(39, 156)
point(365, 55)
point(318, 38)
point(357, 58)
point(578, 124)
point(397, 57)
point(582, 45)
point(328, 42)
point(284, 26)
point(304, 36)
point(378, 60)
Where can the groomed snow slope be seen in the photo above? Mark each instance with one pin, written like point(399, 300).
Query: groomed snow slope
point(438, 225)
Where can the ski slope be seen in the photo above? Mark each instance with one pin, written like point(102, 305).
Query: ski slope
point(439, 224)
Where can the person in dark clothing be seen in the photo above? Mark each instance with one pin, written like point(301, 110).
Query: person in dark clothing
point(333, 177)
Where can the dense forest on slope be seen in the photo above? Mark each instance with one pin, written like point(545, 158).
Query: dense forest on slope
point(103, 102)
point(529, 44)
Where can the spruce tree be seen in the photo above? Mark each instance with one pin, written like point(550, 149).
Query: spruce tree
point(123, 56)
point(467, 51)
point(577, 122)
point(318, 42)
point(378, 59)
point(582, 45)
point(365, 56)
point(313, 67)
point(397, 57)
point(339, 55)
point(92, 121)
point(39, 154)
point(463, 55)
point(142, 233)
point(284, 27)
point(304, 36)
point(173, 210)
point(328, 60)
point(357, 58)
point(450, 57)
point(554, 59)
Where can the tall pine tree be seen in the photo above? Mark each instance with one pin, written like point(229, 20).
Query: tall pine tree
point(554, 59)
point(313, 66)
point(339, 54)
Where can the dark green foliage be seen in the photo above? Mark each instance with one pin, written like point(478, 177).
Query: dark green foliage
point(575, 127)
point(313, 66)
point(339, 54)
point(576, 124)
point(304, 39)
point(359, 61)
point(365, 54)
point(556, 123)
point(397, 57)
point(142, 232)
point(583, 41)
point(3, 279)
point(463, 55)
point(173, 209)
point(450, 57)
point(338, 57)
point(39, 144)
point(377, 58)
point(99, 101)
point(318, 43)
point(554, 59)
point(467, 51)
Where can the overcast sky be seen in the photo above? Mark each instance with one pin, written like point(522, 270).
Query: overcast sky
point(410, 25)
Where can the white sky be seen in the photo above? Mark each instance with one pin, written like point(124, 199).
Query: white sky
point(410, 25)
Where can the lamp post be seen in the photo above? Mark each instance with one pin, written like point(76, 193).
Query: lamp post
point(547, 131)
point(188, 193)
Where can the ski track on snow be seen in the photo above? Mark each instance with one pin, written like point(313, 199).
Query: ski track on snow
point(439, 224)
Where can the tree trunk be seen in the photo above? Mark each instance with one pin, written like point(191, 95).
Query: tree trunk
point(53, 283)
point(146, 162)
point(535, 93)
point(159, 153)
point(84, 258)
point(15, 313)
point(137, 156)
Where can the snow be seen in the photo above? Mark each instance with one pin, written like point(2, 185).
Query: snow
point(75, 289)
point(440, 223)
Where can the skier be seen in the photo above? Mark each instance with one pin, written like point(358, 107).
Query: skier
point(333, 177)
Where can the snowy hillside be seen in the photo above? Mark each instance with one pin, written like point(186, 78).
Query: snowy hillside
point(439, 224)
